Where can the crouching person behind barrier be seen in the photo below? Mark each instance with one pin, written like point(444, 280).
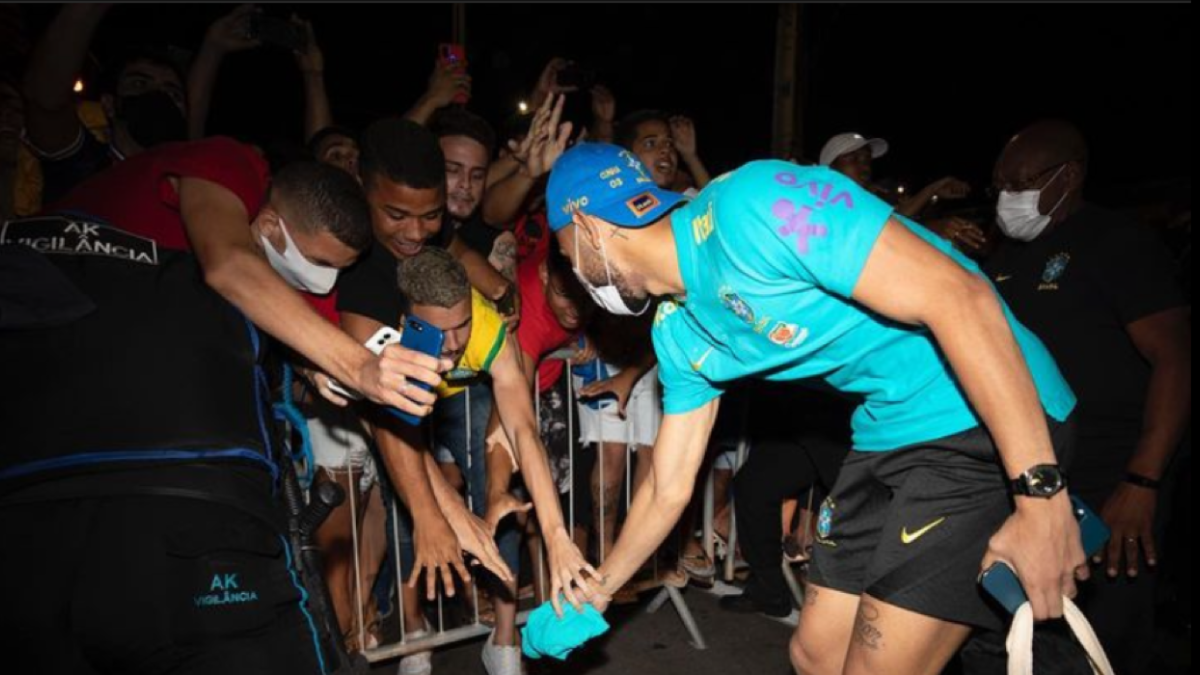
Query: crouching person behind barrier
point(477, 342)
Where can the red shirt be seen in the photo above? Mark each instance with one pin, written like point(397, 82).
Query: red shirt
point(540, 333)
point(326, 305)
point(136, 196)
point(533, 235)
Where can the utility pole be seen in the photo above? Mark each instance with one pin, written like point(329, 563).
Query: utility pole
point(788, 116)
point(458, 24)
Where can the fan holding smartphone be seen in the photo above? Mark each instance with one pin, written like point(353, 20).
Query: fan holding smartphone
point(451, 55)
point(416, 335)
point(277, 32)
point(448, 84)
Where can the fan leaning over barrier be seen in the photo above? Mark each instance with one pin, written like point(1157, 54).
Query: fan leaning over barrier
point(477, 342)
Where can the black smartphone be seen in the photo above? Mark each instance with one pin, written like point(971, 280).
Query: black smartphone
point(575, 75)
point(507, 304)
point(278, 32)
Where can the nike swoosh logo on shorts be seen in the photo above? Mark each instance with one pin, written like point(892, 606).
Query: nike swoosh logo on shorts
point(910, 538)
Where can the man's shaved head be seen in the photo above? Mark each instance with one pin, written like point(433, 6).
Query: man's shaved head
point(1041, 146)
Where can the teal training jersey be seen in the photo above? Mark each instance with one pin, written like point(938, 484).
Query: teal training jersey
point(770, 255)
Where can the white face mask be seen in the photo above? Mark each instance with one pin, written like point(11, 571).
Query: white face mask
point(296, 269)
point(1018, 213)
point(607, 296)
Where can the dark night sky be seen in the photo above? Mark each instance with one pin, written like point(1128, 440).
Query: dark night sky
point(946, 84)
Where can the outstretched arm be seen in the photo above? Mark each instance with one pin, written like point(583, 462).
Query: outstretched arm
point(515, 407)
point(51, 124)
point(659, 503)
point(226, 35)
point(1041, 540)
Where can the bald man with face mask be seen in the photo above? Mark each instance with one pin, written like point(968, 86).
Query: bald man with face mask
point(1100, 291)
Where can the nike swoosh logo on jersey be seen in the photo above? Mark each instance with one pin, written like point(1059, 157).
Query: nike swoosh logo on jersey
point(698, 364)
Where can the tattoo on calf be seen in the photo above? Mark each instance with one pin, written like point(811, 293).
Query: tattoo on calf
point(866, 629)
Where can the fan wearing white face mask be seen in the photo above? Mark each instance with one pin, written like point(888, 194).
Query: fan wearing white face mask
point(215, 198)
point(1100, 291)
point(301, 273)
point(325, 228)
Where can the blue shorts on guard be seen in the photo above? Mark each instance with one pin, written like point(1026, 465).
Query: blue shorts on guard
point(547, 635)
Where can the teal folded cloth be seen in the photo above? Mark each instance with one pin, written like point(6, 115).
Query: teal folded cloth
point(547, 635)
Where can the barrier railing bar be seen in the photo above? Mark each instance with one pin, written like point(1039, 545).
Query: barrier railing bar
point(399, 570)
point(471, 495)
point(444, 637)
point(352, 484)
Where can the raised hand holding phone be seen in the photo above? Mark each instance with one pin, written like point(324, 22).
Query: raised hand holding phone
point(454, 55)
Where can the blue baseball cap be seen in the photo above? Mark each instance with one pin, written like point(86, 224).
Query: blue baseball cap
point(608, 182)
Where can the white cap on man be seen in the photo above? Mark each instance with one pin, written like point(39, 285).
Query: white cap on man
point(846, 143)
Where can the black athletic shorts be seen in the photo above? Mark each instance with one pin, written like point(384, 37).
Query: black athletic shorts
point(149, 585)
point(911, 527)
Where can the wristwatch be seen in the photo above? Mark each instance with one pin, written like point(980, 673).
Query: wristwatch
point(1042, 481)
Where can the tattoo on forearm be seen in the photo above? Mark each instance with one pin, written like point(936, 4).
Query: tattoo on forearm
point(504, 258)
point(866, 628)
point(810, 598)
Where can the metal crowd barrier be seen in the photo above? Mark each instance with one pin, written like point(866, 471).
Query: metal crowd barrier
point(729, 571)
point(440, 636)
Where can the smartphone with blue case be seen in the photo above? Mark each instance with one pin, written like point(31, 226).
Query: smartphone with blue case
point(423, 337)
point(1001, 582)
point(591, 372)
point(416, 335)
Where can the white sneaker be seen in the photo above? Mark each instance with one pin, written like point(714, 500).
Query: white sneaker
point(417, 664)
point(501, 660)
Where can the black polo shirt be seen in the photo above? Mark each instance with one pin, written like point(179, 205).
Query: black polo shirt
point(1078, 287)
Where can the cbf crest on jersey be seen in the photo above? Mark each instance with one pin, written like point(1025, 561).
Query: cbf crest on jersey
point(734, 303)
point(1056, 268)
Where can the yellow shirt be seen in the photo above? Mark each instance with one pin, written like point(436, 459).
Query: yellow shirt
point(488, 333)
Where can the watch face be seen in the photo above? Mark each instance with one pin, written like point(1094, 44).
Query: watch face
point(1045, 481)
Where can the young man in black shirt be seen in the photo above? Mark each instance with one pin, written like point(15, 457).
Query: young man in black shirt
point(403, 172)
